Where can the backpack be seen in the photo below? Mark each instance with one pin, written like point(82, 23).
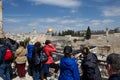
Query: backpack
point(8, 55)
point(40, 58)
point(43, 57)
point(37, 58)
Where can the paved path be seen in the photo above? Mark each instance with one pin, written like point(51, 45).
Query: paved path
point(27, 77)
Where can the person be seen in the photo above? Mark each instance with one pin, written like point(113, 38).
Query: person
point(12, 45)
point(4, 65)
point(48, 49)
point(20, 60)
point(68, 66)
point(30, 48)
point(89, 65)
point(36, 65)
point(113, 66)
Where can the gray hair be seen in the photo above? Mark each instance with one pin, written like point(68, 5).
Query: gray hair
point(114, 60)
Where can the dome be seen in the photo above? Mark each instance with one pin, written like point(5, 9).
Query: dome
point(50, 30)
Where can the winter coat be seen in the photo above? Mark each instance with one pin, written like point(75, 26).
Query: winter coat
point(90, 68)
point(30, 48)
point(114, 77)
point(2, 53)
point(36, 51)
point(69, 69)
point(20, 55)
point(11, 46)
point(48, 49)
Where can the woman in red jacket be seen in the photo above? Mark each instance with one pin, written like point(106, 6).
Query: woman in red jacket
point(48, 49)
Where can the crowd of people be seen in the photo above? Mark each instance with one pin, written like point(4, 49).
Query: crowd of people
point(68, 66)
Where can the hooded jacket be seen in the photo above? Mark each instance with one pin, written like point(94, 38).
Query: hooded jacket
point(90, 68)
point(20, 55)
point(30, 48)
point(48, 49)
point(69, 69)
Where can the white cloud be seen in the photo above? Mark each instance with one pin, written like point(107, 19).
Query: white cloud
point(58, 20)
point(80, 25)
point(73, 11)
point(66, 16)
point(59, 24)
point(8, 20)
point(56, 23)
point(68, 21)
point(34, 24)
point(10, 2)
point(18, 15)
point(107, 21)
point(47, 20)
point(99, 22)
point(95, 22)
point(111, 11)
point(14, 4)
point(16, 29)
point(61, 3)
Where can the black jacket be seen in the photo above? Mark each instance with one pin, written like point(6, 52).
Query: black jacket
point(90, 68)
point(36, 53)
point(114, 77)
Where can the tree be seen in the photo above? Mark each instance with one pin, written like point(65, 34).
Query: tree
point(88, 33)
point(26, 41)
point(59, 34)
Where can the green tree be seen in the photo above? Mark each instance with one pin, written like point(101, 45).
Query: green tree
point(59, 34)
point(88, 33)
point(53, 34)
point(26, 41)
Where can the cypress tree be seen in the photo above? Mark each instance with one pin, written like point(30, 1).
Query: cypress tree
point(88, 33)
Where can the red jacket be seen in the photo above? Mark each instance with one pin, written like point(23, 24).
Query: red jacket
point(48, 49)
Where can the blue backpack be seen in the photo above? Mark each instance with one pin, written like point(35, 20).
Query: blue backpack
point(43, 57)
point(40, 58)
point(37, 58)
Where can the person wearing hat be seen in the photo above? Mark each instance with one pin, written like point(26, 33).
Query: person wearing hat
point(68, 66)
point(89, 65)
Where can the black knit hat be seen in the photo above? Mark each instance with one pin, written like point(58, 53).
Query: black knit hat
point(67, 49)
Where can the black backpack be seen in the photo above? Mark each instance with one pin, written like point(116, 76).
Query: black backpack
point(43, 57)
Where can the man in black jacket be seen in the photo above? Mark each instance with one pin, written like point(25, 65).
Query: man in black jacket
point(113, 66)
point(89, 65)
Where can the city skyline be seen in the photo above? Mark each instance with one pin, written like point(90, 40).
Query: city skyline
point(22, 16)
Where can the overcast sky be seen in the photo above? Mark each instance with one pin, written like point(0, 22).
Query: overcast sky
point(21, 16)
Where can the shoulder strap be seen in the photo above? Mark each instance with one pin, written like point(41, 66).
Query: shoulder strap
point(2, 53)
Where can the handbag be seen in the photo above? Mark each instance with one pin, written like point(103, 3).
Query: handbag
point(44, 57)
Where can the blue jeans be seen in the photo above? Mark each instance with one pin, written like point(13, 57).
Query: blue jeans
point(5, 71)
point(45, 70)
point(36, 72)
